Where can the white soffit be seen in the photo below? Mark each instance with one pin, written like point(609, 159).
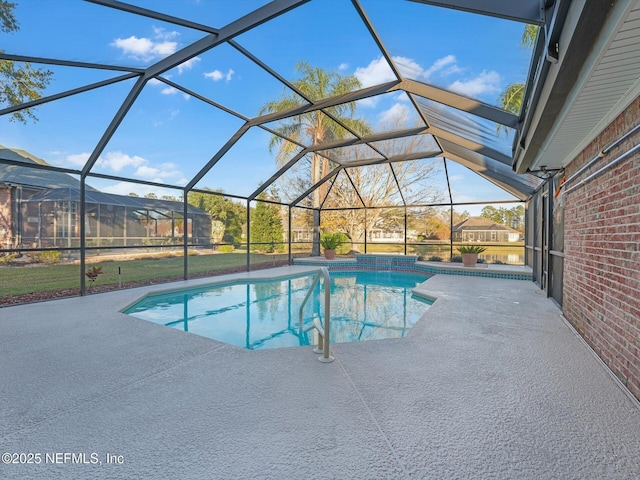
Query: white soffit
point(609, 82)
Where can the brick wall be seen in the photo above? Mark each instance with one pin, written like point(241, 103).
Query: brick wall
point(5, 216)
point(602, 253)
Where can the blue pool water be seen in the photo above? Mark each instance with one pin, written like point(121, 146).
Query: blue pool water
point(264, 314)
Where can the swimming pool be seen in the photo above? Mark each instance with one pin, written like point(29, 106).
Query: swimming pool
point(365, 305)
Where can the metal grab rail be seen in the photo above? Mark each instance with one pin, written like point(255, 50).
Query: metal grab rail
point(323, 330)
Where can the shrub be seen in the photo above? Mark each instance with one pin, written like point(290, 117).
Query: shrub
point(435, 258)
point(471, 249)
point(225, 249)
point(8, 258)
point(499, 262)
point(331, 241)
point(456, 258)
point(92, 274)
point(49, 257)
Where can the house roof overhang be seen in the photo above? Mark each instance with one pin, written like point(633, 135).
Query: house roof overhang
point(595, 77)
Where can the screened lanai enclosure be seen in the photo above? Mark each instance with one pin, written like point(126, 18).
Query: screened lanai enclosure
point(266, 124)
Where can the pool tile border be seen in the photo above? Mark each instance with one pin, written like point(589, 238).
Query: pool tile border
point(406, 263)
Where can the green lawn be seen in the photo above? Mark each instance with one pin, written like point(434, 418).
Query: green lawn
point(23, 280)
point(19, 280)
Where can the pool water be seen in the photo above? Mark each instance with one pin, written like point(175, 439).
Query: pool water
point(264, 314)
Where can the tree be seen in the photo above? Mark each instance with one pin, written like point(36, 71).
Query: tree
point(457, 216)
point(267, 233)
point(314, 128)
point(435, 229)
point(227, 216)
point(529, 35)
point(19, 82)
point(511, 217)
point(513, 95)
point(378, 186)
point(492, 213)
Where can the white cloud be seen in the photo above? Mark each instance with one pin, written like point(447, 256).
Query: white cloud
point(116, 161)
point(77, 159)
point(188, 65)
point(167, 90)
point(125, 188)
point(378, 71)
point(439, 66)
point(158, 174)
point(146, 172)
point(408, 67)
point(164, 49)
point(343, 66)
point(484, 84)
point(451, 70)
point(394, 114)
point(217, 75)
point(402, 97)
point(369, 102)
point(161, 33)
point(146, 49)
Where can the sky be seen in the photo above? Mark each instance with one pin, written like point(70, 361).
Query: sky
point(168, 135)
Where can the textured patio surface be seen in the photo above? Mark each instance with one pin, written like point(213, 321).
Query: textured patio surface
point(491, 383)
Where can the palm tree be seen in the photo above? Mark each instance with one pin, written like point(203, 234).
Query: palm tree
point(529, 35)
point(513, 95)
point(314, 127)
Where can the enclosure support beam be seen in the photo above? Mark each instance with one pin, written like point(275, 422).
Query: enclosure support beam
point(115, 123)
point(289, 237)
point(492, 170)
point(66, 93)
point(248, 236)
point(365, 229)
point(459, 102)
point(225, 148)
point(405, 229)
point(185, 237)
point(446, 172)
point(83, 231)
point(526, 11)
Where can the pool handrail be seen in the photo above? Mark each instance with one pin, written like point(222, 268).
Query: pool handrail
point(323, 330)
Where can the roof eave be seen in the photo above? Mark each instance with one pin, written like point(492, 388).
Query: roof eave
point(580, 30)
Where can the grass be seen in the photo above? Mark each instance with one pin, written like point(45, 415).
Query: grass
point(48, 278)
point(23, 280)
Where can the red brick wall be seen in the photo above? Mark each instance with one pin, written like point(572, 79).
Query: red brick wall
point(5, 216)
point(602, 253)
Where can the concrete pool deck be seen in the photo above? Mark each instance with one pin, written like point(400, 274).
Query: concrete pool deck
point(490, 383)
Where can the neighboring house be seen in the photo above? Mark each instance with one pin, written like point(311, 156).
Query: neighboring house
point(481, 229)
point(41, 208)
point(301, 234)
point(379, 235)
